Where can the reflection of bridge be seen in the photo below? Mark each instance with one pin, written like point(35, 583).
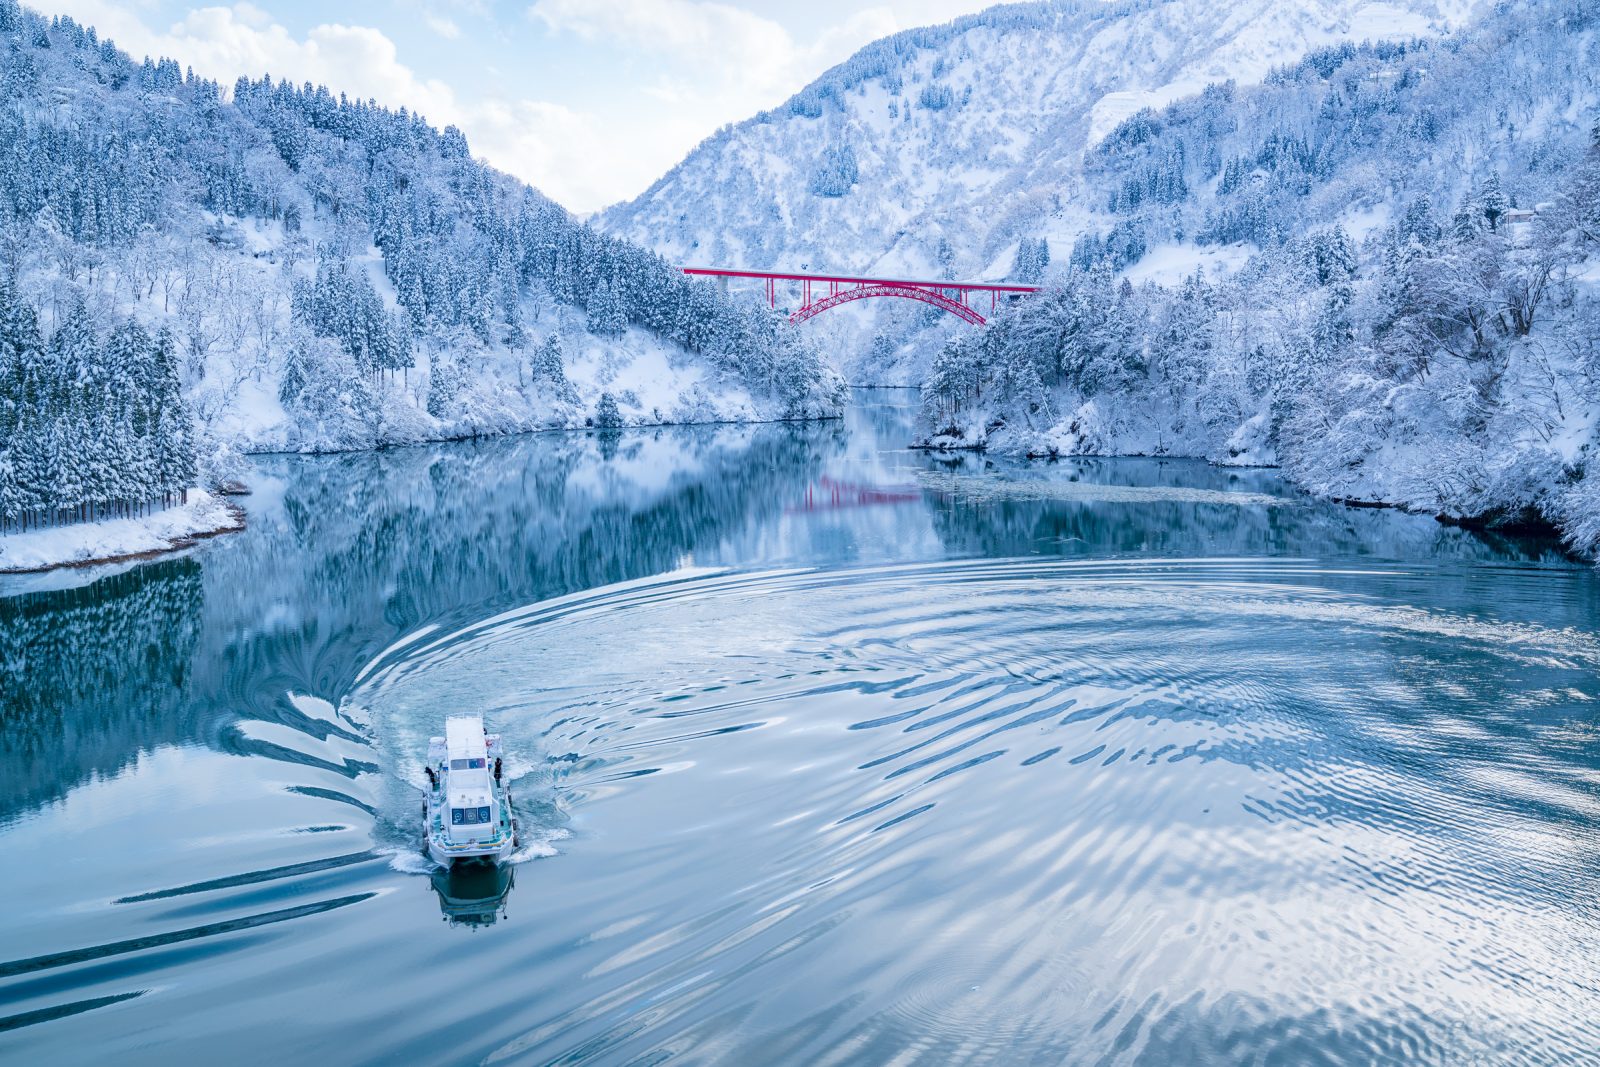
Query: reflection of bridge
point(830, 495)
point(961, 299)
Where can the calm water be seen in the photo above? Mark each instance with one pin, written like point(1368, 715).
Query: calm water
point(825, 752)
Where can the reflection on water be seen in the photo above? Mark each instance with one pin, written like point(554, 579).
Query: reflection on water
point(93, 674)
point(474, 895)
point(823, 751)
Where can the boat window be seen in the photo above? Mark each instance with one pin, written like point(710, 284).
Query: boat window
point(467, 764)
point(468, 816)
point(483, 814)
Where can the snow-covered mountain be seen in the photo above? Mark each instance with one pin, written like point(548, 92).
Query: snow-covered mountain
point(1410, 306)
point(939, 149)
point(331, 273)
point(189, 270)
point(1354, 239)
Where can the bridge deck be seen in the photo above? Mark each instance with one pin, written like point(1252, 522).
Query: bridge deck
point(844, 279)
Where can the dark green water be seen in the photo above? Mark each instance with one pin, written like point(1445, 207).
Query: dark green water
point(826, 752)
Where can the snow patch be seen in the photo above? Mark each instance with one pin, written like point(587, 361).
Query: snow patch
point(1387, 22)
point(93, 542)
point(1115, 108)
point(1169, 264)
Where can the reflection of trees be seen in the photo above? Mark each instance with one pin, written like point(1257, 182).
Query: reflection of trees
point(92, 675)
point(360, 550)
point(363, 549)
point(887, 417)
point(366, 548)
point(997, 526)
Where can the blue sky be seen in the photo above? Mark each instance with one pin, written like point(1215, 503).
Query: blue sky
point(590, 100)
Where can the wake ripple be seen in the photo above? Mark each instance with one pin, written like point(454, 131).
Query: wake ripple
point(1023, 810)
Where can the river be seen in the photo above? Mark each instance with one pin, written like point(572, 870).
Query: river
point(824, 752)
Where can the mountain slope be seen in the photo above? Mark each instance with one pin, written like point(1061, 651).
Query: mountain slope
point(327, 273)
point(1414, 312)
point(939, 149)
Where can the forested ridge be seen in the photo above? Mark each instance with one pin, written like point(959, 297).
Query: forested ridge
point(1415, 318)
point(306, 271)
point(956, 150)
point(91, 427)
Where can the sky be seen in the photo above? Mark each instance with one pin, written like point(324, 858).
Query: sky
point(589, 100)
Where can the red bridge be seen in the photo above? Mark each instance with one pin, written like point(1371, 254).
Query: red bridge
point(819, 292)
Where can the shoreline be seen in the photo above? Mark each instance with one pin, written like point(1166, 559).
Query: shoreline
point(539, 430)
point(234, 522)
point(1533, 527)
point(222, 516)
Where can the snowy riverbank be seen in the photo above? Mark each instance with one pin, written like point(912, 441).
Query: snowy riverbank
point(205, 515)
point(1402, 483)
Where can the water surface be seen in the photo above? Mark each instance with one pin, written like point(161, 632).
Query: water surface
point(824, 752)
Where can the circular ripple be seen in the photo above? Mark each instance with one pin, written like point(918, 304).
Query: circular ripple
point(1041, 810)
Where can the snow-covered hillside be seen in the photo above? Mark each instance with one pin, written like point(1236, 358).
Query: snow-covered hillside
point(334, 274)
point(938, 150)
point(1379, 269)
point(188, 271)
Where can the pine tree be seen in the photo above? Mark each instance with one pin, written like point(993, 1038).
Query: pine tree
point(1020, 384)
point(606, 413)
point(1024, 268)
point(548, 363)
point(10, 492)
point(606, 318)
point(836, 173)
point(444, 383)
point(1033, 256)
point(883, 348)
point(104, 467)
point(65, 449)
point(32, 459)
point(177, 469)
point(1491, 202)
point(1418, 224)
point(293, 380)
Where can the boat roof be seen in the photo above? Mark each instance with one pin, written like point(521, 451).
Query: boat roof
point(464, 737)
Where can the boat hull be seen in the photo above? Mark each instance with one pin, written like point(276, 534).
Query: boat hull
point(496, 849)
point(447, 856)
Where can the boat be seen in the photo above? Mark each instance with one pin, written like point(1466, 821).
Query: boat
point(466, 814)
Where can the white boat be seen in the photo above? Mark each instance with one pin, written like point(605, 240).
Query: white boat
point(467, 814)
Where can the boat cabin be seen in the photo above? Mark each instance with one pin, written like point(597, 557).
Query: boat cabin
point(471, 812)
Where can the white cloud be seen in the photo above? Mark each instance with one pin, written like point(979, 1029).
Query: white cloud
point(730, 58)
point(705, 64)
point(442, 26)
point(552, 147)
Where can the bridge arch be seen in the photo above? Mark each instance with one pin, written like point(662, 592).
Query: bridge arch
point(902, 292)
point(957, 298)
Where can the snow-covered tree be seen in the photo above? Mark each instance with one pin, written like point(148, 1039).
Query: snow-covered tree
point(1491, 201)
point(607, 415)
point(1033, 256)
point(836, 172)
point(92, 424)
point(246, 224)
point(607, 315)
